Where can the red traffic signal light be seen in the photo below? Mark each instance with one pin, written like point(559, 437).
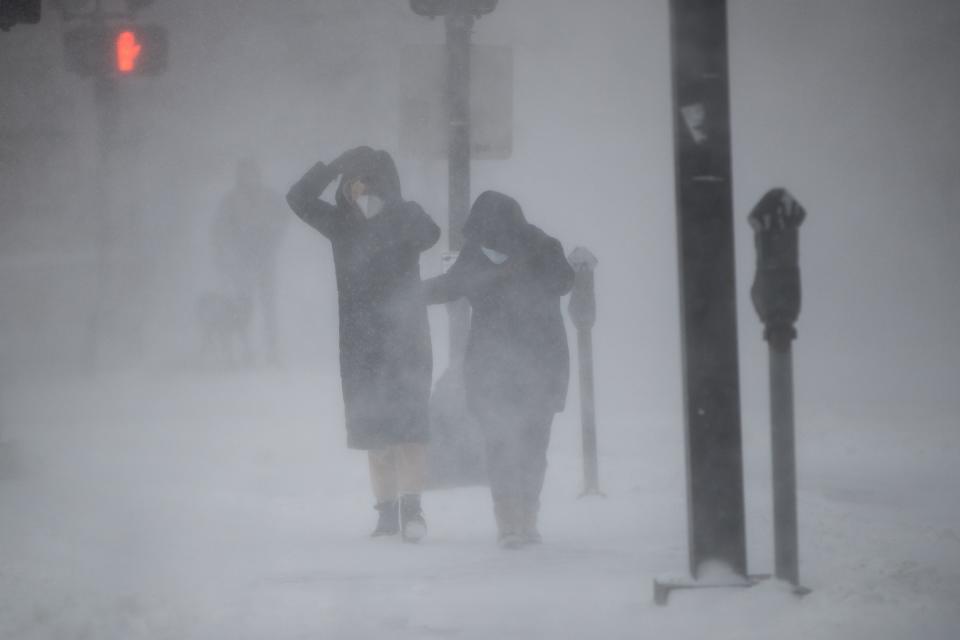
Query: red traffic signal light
point(128, 50)
point(104, 51)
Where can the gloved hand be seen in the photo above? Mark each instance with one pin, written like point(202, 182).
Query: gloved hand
point(349, 161)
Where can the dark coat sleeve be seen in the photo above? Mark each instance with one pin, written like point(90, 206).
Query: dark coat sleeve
point(416, 229)
point(455, 283)
point(550, 266)
point(304, 198)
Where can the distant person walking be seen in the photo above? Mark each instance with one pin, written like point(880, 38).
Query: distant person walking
point(517, 362)
point(386, 364)
point(246, 237)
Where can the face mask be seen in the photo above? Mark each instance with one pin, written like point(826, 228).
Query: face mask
point(495, 256)
point(370, 205)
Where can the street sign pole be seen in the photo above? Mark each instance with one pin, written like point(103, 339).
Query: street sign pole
point(456, 455)
point(459, 24)
point(701, 111)
point(106, 99)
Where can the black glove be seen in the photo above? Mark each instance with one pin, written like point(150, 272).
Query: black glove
point(351, 160)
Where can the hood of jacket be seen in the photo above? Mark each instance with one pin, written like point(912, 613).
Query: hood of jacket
point(378, 171)
point(496, 221)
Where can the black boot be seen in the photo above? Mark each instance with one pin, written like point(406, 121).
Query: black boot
point(413, 526)
point(388, 524)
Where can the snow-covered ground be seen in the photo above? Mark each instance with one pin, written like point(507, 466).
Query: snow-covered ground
point(181, 507)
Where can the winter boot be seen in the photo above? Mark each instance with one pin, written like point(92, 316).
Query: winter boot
point(412, 525)
point(528, 525)
point(508, 524)
point(388, 524)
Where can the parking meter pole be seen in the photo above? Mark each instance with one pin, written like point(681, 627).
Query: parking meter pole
point(591, 467)
point(784, 462)
point(583, 313)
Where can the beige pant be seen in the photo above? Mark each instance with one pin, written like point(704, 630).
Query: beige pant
point(398, 470)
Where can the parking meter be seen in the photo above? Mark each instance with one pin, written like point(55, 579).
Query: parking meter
point(776, 288)
point(776, 296)
point(583, 313)
point(583, 302)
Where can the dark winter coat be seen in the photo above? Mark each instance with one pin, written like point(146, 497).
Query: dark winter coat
point(385, 357)
point(517, 358)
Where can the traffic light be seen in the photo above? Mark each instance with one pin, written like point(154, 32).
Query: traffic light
point(434, 8)
point(18, 11)
point(430, 8)
point(96, 50)
point(136, 5)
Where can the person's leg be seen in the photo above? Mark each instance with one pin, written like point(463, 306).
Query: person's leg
point(502, 466)
point(411, 467)
point(267, 287)
point(383, 479)
point(411, 478)
point(533, 443)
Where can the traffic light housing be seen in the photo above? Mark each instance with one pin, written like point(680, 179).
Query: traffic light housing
point(18, 12)
point(435, 8)
point(96, 50)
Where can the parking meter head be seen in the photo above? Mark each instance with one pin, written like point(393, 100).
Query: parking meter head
point(582, 258)
point(583, 303)
point(776, 292)
point(777, 211)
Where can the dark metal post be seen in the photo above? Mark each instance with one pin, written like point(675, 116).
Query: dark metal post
point(107, 102)
point(459, 24)
point(456, 450)
point(784, 464)
point(776, 295)
point(704, 187)
point(459, 16)
point(583, 312)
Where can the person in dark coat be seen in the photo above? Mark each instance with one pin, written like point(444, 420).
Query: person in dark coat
point(246, 236)
point(385, 353)
point(517, 362)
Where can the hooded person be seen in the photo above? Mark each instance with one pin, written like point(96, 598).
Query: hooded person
point(385, 353)
point(517, 362)
point(246, 236)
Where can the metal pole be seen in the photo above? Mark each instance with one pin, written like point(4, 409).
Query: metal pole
point(459, 24)
point(583, 312)
point(591, 468)
point(784, 462)
point(456, 454)
point(704, 193)
point(106, 102)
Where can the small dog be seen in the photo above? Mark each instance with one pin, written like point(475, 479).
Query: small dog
point(224, 321)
